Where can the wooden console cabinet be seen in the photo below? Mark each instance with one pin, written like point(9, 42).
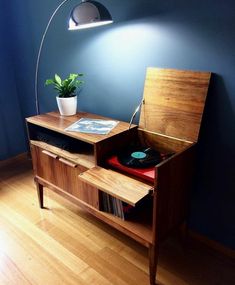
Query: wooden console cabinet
point(169, 122)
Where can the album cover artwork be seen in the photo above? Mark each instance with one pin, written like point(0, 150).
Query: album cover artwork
point(92, 126)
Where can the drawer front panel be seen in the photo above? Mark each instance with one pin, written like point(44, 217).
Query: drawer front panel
point(63, 174)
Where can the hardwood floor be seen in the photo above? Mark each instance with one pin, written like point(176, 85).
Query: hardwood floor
point(64, 245)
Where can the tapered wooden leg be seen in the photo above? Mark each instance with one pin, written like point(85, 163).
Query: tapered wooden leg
point(153, 258)
point(40, 193)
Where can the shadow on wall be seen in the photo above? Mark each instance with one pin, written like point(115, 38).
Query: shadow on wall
point(213, 195)
point(218, 132)
point(3, 139)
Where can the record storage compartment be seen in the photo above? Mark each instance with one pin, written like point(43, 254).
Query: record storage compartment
point(169, 122)
point(62, 171)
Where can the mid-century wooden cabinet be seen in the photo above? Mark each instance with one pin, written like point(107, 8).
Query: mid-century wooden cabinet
point(74, 164)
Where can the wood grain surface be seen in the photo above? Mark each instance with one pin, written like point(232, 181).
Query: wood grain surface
point(84, 158)
point(64, 245)
point(54, 121)
point(174, 102)
point(127, 189)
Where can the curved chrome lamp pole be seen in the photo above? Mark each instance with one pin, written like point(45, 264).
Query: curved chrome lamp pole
point(39, 56)
point(86, 14)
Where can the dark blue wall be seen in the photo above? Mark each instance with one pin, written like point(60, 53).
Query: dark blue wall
point(12, 133)
point(197, 35)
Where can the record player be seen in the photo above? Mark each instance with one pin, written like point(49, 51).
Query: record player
point(138, 161)
point(170, 120)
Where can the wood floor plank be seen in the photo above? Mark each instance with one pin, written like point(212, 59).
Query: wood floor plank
point(49, 244)
point(135, 254)
point(35, 262)
point(64, 245)
point(119, 264)
point(10, 273)
point(62, 232)
point(93, 277)
point(95, 231)
point(97, 263)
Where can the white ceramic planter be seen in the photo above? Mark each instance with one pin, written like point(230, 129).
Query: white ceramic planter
point(67, 106)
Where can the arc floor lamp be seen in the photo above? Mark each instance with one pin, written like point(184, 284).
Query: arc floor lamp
point(86, 14)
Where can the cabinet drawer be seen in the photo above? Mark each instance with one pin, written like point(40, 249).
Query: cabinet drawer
point(63, 174)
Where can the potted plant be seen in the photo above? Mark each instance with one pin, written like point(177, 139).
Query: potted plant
point(66, 89)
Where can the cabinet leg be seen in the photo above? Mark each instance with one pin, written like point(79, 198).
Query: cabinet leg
point(40, 194)
point(153, 258)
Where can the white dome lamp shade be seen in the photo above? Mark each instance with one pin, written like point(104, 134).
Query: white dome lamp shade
point(89, 14)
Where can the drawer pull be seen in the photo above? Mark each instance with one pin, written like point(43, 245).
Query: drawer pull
point(69, 163)
point(55, 156)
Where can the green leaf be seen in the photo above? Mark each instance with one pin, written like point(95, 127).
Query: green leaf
point(73, 76)
point(66, 87)
point(49, 81)
point(79, 82)
point(57, 88)
point(58, 79)
point(66, 83)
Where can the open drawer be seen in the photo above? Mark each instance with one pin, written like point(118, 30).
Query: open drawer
point(117, 185)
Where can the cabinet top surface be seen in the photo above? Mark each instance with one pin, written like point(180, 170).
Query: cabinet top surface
point(54, 121)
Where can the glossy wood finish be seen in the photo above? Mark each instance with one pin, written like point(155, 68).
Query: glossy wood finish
point(140, 229)
point(174, 179)
point(85, 158)
point(106, 148)
point(40, 193)
point(127, 189)
point(169, 198)
point(53, 121)
point(170, 122)
point(162, 143)
point(64, 244)
point(62, 173)
point(174, 102)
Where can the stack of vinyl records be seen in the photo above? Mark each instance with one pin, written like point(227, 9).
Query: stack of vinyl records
point(116, 207)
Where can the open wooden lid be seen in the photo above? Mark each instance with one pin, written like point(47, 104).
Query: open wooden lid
point(173, 102)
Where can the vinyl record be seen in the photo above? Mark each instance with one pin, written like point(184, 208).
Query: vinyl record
point(139, 157)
